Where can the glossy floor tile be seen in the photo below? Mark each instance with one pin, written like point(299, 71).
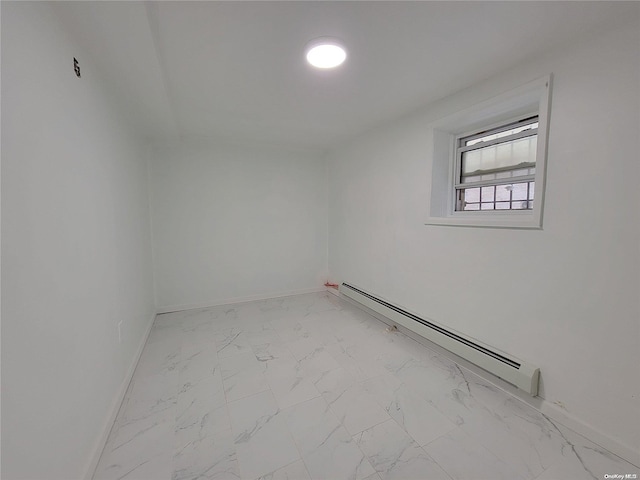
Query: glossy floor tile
point(309, 387)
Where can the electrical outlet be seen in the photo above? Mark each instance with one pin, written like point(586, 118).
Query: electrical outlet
point(120, 331)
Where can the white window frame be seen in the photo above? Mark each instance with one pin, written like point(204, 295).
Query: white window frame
point(529, 100)
point(458, 184)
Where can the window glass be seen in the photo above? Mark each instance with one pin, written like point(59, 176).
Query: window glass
point(502, 156)
point(490, 160)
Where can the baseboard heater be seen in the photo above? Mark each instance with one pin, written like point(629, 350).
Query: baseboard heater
point(510, 369)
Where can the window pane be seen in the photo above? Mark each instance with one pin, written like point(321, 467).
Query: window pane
point(497, 197)
point(472, 195)
point(474, 178)
point(487, 194)
point(519, 191)
point(503, 192)
point(519, 205)
point(523, 171)
point(491, 158)
point(506, 133)
point(501, 156)
point(488, 176)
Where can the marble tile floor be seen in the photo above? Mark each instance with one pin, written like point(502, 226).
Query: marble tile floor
point(311, 387)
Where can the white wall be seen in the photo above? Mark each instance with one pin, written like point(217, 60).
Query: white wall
point(235, 222)
point(76, 255)
point(564, 298)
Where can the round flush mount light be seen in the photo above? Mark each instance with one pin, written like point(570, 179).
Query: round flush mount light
point(325, 53)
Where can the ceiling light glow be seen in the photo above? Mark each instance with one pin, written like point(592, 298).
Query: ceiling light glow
point(325, 53)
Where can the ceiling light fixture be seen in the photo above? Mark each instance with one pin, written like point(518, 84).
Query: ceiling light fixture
point(325, 53)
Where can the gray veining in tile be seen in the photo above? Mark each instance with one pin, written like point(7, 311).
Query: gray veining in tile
point(395, 455)
point(210, 457)
point(325, 445)
point(293, 471)
point(310, 387)
point(463, 457)
point(262, 440)
point(243, 375)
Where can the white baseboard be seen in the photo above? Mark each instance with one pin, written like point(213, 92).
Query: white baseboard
point(227, 301)
point(616, 447)
point(551, 410)
point(115, 407)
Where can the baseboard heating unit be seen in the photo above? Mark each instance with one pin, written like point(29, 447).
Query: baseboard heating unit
point(510, 369)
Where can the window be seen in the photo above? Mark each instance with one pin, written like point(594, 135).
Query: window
point(495, 168)
point(489, 161)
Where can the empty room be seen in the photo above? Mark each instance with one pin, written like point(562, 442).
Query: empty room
point(320, 240)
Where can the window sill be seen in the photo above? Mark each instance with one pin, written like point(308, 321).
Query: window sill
point(523, 221)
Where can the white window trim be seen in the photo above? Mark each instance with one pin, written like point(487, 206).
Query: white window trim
point(531, 99)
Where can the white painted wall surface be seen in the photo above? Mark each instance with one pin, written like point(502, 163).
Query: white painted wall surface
point(564, 298)
point(235, 222)
point(76, 256)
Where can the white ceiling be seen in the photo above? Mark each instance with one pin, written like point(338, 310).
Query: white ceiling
point(236, 69)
